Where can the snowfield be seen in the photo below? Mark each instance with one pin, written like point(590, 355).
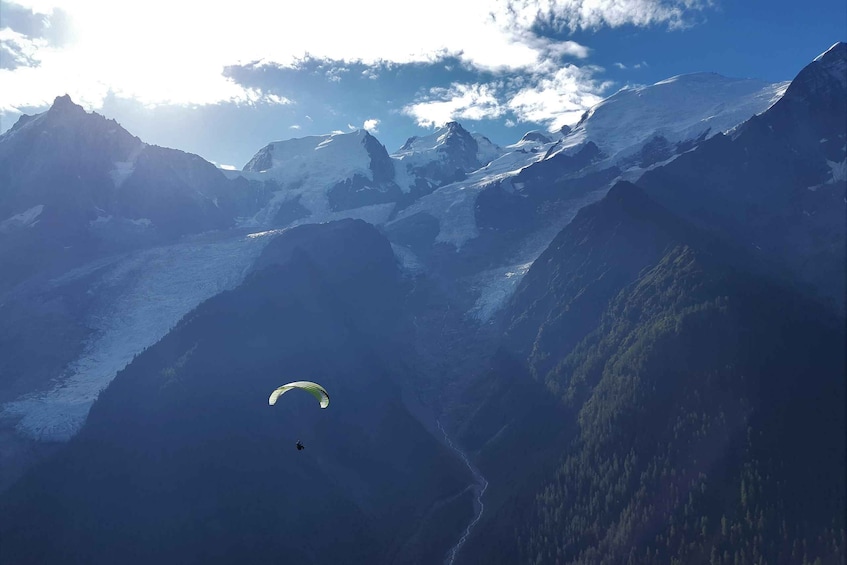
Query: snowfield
point(679, 108)
point(139, 299)
point(26, 218)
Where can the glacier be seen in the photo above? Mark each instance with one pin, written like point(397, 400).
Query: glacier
point(139, 298)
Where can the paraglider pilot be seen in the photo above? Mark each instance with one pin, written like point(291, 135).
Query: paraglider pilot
point(300, 446)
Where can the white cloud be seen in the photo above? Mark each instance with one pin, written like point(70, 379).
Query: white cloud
point(636, 66)
point(166, 52)
point(460, 101)
point(271, 98)
point(371, 125)
point(559, 99)
point(594, 14)
point(553, 99)
point(18, 50)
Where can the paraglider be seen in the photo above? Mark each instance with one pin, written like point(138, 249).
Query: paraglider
point(314, 389)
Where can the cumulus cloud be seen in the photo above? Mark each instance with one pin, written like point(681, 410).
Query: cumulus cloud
point(459, 101)
point(553, 99)
point(560, 98)
point(371, 125)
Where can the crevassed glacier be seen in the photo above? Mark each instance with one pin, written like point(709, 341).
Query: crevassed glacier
point(138, 300)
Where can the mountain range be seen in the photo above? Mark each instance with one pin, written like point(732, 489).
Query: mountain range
point(632, 331)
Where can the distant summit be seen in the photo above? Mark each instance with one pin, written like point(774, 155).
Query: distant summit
point(680, 110)
point(64, 103)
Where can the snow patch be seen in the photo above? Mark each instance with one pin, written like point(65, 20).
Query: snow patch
point(409, 262)
point(838, 170)
point(27, 218)
point(123, 169)
point(100, 220)
point(497, 286)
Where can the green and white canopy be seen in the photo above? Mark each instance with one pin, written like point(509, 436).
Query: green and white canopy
point(314, 389)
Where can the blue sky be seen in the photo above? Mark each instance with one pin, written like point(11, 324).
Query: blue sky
point(224, 82)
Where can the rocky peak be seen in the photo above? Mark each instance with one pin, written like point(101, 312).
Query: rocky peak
point(834, 63)
point(261, 161)
point(814, 101)
point(827, 71)
point(381, 165)
point(537, 136)
point(65, 104)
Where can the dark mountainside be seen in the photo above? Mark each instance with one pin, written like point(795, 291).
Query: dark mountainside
point(777, 184)
point(182, 460)
point(701, 408)
point(699, 367)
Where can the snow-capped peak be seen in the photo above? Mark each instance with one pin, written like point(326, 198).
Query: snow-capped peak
point(473, 149)
point(338, 151)
point(434, 141)
point(442, 156)
point(308, 168)
point(680, 108)
point(834, 62)
point(833, 49)
point(536, 136)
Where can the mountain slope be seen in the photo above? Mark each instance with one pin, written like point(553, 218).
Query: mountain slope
point(777, 183)
point(699, 405)
point(488, 227)
point(183, 460)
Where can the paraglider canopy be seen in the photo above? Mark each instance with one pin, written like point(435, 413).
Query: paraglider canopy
point(314, 389)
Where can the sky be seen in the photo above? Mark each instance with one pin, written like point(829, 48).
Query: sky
point(225, 81)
